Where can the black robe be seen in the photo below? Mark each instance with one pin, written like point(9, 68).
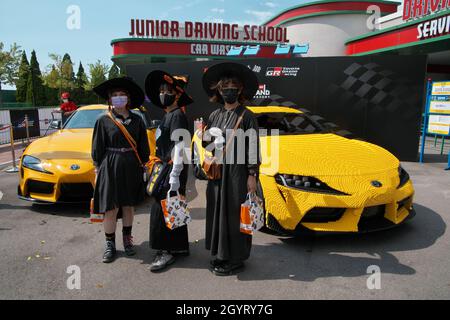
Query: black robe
point(120, 177)
point(224, 197)
point(161, 237)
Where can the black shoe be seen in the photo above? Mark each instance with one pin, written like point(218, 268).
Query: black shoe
point(128, 245)
point(228, 269)
point(110, 251)
point(216, 263)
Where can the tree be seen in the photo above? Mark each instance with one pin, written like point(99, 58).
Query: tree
point(122, 72)
point(98, 73)
point(81, 79)
point(21, 83)
point(67, 71)
point(35, 88)
point(9, 65)
point(64, 71)
point(114, 72)
point(52, 78)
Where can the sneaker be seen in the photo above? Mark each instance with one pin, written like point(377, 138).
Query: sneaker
point(162, 260)
point(128, 245)
point(110, 251)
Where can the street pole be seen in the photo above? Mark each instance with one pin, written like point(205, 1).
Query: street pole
point(13, 153)
point(27, 128)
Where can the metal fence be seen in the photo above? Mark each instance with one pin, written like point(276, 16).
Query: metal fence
point(45, 118)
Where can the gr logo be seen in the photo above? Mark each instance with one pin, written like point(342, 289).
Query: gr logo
point(274, 72)
point(74, 280)
point(374, 280)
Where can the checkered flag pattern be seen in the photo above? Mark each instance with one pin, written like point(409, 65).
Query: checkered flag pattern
point(382, 90)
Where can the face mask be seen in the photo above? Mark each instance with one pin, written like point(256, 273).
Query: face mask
point(230, 95)
point(166, 99)
point(119, 101)
point(65, 100)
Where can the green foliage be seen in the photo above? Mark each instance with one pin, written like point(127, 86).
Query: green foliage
point(81, 79)
point(35, 88)
point(98, 73)
point(42, 89)
point(22, 79)
point(9, 63)
point(114, 72)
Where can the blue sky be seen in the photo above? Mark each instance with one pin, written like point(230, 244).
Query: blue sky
point(41, 25)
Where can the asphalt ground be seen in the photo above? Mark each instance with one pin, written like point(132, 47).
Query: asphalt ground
point(38, 244)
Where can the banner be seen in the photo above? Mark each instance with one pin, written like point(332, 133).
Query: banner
point(376, 98)
point(19, 126)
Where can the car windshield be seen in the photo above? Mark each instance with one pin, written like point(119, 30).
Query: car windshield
point(85, 119)
point(288, 123)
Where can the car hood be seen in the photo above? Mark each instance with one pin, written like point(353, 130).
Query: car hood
point(63, 144)
point(323, 155)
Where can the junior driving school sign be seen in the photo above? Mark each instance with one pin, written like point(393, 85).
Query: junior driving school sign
point(413, 9)
point(206, 31)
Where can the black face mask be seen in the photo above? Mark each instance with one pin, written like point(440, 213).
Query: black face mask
point(230, 95)
point(166, 99)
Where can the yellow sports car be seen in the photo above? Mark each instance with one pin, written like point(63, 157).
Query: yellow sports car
point(58, 167)
point(314, 180)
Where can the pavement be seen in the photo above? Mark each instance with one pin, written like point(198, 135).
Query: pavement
point(39, 244)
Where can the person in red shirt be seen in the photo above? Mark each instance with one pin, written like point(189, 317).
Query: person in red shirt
point(67, 106)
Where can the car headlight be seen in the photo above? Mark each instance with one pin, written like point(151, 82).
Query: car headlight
point(33, 163)
point(403, 175)
point(305, 183)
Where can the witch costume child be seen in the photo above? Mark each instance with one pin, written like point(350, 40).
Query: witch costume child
point(119, 173)
point(167, 92)
point(230, 84)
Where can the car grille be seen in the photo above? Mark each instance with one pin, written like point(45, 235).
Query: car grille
point(373, 212)
point(323, 215)
point(73, 192)
point(402, 203)
point(35, 186)
point(372, 218)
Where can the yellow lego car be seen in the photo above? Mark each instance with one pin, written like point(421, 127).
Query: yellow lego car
point(314, 180)
point(58, 167)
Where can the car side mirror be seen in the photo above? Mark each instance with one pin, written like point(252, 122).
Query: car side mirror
point(154, 124)
point(55, 124)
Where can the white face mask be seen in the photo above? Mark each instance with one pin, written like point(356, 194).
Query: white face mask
point(119, 101)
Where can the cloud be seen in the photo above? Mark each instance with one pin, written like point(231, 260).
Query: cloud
point(167, 13)
point(270, 4)
point(260, 15)
point(213, 19)
point(218, 10)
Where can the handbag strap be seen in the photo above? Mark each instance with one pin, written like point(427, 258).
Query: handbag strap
point(238, 122)
point(127, 136)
